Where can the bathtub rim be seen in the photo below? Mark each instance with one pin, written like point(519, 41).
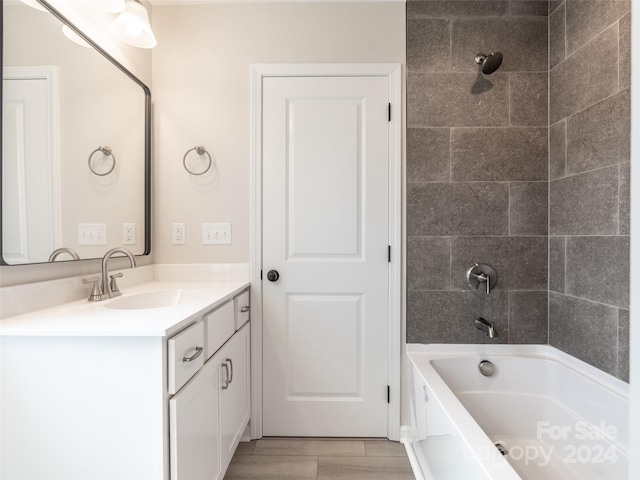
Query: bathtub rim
point(420, 356)
point(546, 352)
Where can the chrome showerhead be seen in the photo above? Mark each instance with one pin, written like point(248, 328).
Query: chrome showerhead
point(489, 63)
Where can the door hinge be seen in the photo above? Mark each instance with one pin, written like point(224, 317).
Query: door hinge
point(260, 274)
point(388, 394)
point(389, 253)
point(389, 113)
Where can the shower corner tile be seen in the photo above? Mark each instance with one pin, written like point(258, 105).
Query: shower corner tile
point(587, 18)
point(585, 204)
point(623, 345)
point(558, 150)
point(584, 79)
point(625, 51)
point(554, 4)
point(572, 329)
point(528, 320)
point(624, 193)
point(599, 135)
point(598, 269)
point(557, 36)
point(557, 264)
point(528, 99)
point(528, 212)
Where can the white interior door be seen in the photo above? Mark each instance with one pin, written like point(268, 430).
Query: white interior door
point(29, 189)
point(326, 232)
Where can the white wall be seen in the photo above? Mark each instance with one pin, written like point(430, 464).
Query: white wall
point(201, 76)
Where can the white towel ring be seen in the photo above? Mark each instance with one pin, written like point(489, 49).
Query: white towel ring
point(106, 151)
point(200, 151)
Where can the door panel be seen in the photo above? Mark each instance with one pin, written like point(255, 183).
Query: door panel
point(29, 209)
point(325, 229)
point(313, 322)
point(330, 227)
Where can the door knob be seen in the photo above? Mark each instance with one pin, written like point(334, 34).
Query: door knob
point(273, 275)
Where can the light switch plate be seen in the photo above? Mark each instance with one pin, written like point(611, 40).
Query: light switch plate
point(216, 234)
point(92, 234)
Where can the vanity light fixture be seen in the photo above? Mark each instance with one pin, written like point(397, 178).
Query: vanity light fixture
point(34, 4)
point(132, 26)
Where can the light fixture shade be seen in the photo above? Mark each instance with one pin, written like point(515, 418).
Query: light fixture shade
point(74, 37)
point(34, 4)
point(109, 6)
point(132, 26)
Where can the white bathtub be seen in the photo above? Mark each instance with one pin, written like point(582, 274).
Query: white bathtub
point(557, 417)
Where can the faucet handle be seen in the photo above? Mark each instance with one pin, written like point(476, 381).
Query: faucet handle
point(115, 291)
point(482, 278)
point(96, 293)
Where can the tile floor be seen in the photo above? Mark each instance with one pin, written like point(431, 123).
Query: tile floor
point(320, 459)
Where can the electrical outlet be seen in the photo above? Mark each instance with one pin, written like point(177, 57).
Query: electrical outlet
point(216, 234)
point(92, 234)
point(178, 234)
point(128, 233)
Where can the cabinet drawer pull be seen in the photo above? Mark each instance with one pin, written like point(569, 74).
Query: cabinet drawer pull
point(244, 309)
point(199, 351)
point(231, 367)
point(226, 380)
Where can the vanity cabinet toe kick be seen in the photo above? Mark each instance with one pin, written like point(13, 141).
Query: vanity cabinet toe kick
point(143, 407)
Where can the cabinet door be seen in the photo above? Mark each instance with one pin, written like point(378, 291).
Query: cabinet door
point(235, 392)
point(195, 428)
point(243, 309)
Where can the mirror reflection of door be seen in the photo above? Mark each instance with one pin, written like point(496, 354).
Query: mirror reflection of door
point(30, 217)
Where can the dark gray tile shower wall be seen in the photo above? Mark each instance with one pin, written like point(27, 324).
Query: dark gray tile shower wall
point(526, 169)
point(477, 169)
point(589, 184)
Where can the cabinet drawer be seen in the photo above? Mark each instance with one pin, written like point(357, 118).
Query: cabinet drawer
point(243, 311)
point(185, 351)
point(220, 327)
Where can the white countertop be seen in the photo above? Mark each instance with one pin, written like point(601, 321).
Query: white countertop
point(83, 318)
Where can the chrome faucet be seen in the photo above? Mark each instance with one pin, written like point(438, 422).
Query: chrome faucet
point(482, 324)
point(103, 289)
point(60, 250)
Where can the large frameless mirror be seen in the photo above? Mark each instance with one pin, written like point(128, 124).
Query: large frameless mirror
point(75, 144)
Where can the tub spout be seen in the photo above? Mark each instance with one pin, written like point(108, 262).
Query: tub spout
point(487, 327)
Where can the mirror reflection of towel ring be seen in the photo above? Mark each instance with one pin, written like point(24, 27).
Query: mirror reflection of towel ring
point(106, 151)
point(200, 151)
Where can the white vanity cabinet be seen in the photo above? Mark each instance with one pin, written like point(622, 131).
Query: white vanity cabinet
point(235, 401)
point(125, 396)
point(210, 413)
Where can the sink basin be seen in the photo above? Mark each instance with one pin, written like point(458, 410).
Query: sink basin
point(156, 299)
